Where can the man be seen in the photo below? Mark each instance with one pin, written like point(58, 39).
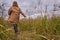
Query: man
point(14, 12)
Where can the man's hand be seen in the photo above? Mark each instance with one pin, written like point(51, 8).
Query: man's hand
point(24, 16)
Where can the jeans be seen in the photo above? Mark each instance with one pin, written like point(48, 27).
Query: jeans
point(15, 28)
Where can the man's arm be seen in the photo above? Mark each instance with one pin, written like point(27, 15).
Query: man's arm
point(9, 11)
point(22, 13)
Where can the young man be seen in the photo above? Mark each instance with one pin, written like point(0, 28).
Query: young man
point(14, 12)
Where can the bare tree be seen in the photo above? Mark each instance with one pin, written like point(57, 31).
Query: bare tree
point(54, 7)
point(46, 7)
point(40, 7)
point(2, 9)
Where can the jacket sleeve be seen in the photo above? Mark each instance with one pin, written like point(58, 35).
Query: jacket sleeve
point(9, 11)
point(22, 13)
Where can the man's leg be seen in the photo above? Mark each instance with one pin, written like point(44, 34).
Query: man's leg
point(15, 28)
point(16, 31)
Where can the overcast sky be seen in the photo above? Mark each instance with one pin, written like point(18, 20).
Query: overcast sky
point(29, 5)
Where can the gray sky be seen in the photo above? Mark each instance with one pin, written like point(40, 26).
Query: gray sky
point(30, 4)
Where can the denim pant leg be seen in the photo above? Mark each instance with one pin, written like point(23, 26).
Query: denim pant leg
point(15, 28)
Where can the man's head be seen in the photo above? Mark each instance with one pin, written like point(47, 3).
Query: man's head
point(15, 4)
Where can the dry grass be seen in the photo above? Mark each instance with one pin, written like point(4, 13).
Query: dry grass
point(37, 29)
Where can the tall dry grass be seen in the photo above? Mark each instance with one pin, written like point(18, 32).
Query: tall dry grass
point(40, 28)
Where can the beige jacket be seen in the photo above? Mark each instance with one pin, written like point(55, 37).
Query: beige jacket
point(14, 13)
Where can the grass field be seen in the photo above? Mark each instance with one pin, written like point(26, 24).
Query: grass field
point(40, 28)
